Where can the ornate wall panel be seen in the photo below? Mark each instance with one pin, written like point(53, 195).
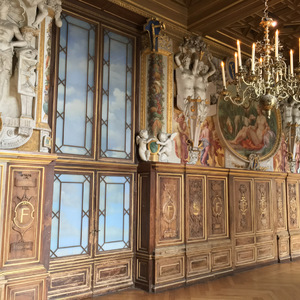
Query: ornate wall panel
point(243, 211)
point(221, 259)
point(293, 205)
point(280, 205)
point(283, 245)
point(217, 207)
point(142, 270)
point(295, 244)
point(262, 205)
point(245, 255)
point(169, 269)
point(27, 290)
point(70, 280)
point(169, 228)
point(195, 208)
point(24, 210)
point(109, 274)
point(198, 264)
point(265, 252)
point(143, 216)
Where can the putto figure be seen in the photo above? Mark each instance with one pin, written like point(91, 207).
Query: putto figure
point(142, 139)
point(165, 140)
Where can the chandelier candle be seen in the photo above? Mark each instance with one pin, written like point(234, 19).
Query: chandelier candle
point(292, 62)
point(223, 74)
point(253, 57)
point(239, 52)
point(268, 81)
point(236, 69)
point(276, 43)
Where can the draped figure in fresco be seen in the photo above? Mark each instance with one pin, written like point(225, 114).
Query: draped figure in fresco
point(257, 136)
point(8, 31)
point(181, 147)
point(205, 142)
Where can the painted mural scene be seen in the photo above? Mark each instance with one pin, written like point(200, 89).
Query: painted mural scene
point(142, 146)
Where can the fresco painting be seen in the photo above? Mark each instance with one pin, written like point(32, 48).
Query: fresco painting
point(247, 130)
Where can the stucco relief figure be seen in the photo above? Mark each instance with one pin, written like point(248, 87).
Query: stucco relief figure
point(166, 141)
point(187, 60)
point(8, 31)
point(36, 12)
point(142, 139)
point(56, 5)
point(203, 72)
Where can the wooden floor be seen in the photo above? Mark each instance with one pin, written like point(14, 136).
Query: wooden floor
point(274, 282)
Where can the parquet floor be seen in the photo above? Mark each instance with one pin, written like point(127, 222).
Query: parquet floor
point(274, 282)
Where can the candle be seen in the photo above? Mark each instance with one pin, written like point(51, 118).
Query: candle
point(299, 50)
point(223, 74)
point(239, 52)
point(235, 62)
point(291, 62)
point(253, 57)
point(276, 43)
point(260, 60)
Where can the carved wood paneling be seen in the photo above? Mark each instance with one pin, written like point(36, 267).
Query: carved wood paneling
point(280, 205)
point(217, 207)
point(112, 273)
point(143, 223)
point(245, 256)
point(70, 281)
point(142, 266)
point(198, 264)
point(195, 208)
point(262, 205)
point(24, 215)
point(221, 259)
point(169, 210)
point(169, 269)
point(293, 205)
point(27, 290)
point(265, 252)
point(295, 245)
point(283, 247)
point(243, 211)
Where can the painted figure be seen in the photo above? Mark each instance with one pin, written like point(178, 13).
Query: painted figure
point(255, 137)
point(142, 140)
point(205, 142)
point(181, 139)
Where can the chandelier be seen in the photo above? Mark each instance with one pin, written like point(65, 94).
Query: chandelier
point(267, 79)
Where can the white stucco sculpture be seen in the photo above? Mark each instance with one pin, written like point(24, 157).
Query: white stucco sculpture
point(9, 31)
point(142, 139)
point(20, 40)
point(166, 141)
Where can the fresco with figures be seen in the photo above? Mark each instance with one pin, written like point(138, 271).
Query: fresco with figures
point(248, 130)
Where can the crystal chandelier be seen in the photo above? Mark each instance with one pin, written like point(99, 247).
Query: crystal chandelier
point(267, 79)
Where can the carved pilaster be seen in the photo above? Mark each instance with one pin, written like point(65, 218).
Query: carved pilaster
point(22, 64)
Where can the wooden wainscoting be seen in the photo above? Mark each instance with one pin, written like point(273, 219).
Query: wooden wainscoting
point(194, 223)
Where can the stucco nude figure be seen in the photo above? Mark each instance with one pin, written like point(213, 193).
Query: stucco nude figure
point(8, 31)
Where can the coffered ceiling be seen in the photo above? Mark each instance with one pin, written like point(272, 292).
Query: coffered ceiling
point(227, 20)
point(221, 21)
